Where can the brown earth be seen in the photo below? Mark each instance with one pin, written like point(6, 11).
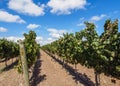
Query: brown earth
point(49, 71)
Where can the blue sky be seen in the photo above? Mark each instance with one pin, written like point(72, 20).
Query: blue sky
point(51, 18)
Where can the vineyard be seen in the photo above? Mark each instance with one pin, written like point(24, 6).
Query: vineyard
point(65, 57)
point(91, 50)
point(8, 50)
point(26, 53)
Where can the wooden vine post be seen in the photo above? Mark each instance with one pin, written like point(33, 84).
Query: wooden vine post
point(24, 63)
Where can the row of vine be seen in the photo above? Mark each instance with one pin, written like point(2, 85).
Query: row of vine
point(10, 49)
point(100, 52)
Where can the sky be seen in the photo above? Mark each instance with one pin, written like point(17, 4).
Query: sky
point(51, 18)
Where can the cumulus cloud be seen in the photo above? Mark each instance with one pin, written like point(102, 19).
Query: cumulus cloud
point(47, 41)
point(26, 7)
point(80, 24)
point(56, 33)
point(33, 26)
point(39, 39)
point(97, 18)
point(50, 39)
point(66, 6)
point(7, 17)
point(2, 29)
point(82, 18)
point(13, 38)
point(42, 41)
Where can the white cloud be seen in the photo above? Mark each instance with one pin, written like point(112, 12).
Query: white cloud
point(80, 24)
point(97, 18)
point(13, 38)
point(26, 7)
point(39, 39)
point(81, 19)
point(47, 41)
point(7, 17)
point(33, 26)
point(42, 41)
point(56, 33)
point(2, 29)
point(66, 6)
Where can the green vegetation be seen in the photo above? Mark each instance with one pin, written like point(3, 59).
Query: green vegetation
point(102, 53)
point(31, 50)
point(8, 50)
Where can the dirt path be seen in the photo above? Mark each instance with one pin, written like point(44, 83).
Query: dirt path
point(51, 73)
point(54, 74)
point(10, 76)
point(47, 73)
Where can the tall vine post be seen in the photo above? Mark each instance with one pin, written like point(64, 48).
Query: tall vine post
point(24, 63)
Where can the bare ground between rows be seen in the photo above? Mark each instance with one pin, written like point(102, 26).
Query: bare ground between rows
point(49, 71)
